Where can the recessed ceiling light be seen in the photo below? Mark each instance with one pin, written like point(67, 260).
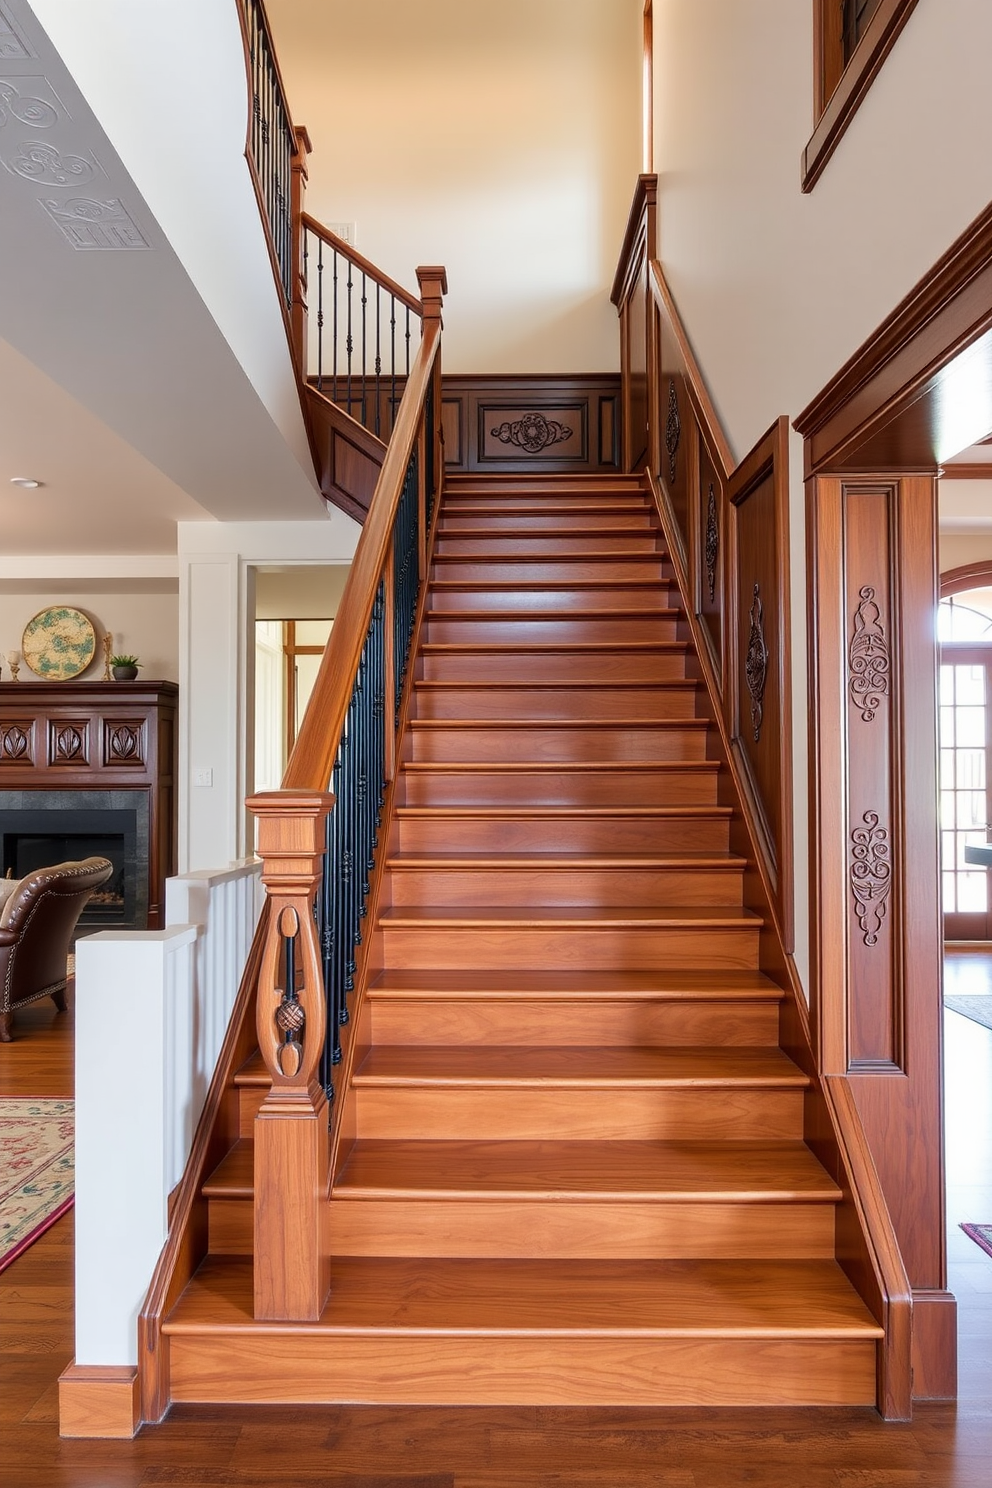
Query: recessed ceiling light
point(26, 482)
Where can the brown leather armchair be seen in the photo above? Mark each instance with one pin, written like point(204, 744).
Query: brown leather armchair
point(38, 914)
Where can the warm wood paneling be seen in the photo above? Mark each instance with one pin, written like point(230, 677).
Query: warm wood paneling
point(532, 423)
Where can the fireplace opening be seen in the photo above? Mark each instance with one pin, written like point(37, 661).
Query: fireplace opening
point(37, 840)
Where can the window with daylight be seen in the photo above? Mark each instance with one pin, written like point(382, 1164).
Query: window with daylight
point(964, 627)
point(851, 40)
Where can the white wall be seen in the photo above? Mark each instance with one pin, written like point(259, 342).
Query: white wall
point(778, 289)
point(142, 618)
point(501, 141)
point(217, 567)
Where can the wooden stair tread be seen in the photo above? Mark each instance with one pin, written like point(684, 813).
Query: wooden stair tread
point(559, 1298)
point(600, 1068)
point(234, 1175)
point(562, 723)
point(573, 582)
point(664, 1171)
point(577, 684)
point(704, 917)
point(551, 859)
point(555, 767)
point(566, 648)
point(558, 813)
point(598, 986)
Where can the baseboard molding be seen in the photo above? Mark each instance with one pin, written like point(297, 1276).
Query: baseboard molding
point(935, 1345)
point(99, 1400)
point(565, 423)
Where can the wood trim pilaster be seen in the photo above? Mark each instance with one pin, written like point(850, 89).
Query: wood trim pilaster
point(99, 1400)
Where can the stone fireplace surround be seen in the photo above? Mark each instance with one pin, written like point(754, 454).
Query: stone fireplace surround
point(103, 749)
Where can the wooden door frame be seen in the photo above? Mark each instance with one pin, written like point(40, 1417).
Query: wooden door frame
point(970, 653)
point(871, 470)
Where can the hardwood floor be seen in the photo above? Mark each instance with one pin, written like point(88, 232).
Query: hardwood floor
point(486, 1447)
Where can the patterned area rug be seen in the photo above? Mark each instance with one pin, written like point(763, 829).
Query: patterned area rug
point(981, 1234)
point(979, 1009)
point(36, 1170)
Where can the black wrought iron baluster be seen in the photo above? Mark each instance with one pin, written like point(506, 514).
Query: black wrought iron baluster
point(334, 337)
point(430, 475)
point(320, 314)
point(365, 382)
point(392, 362)
point(408, 340)
point(378, 355)
point(330, 939)
point(349, 343)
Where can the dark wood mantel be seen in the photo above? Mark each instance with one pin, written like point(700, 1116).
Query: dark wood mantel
point(95, 735)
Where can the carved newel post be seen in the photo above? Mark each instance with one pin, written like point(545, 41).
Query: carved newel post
point(292, 1263)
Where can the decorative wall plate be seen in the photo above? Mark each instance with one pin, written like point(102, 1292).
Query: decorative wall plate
point(59, 643)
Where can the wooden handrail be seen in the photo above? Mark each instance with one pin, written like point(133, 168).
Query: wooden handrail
point(360, 261)
point(696, 383)
point(312, 760)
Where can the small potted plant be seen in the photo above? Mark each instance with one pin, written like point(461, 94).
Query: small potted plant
point(125, 668)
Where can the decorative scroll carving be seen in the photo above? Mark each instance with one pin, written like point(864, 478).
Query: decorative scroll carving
point(673, 432)
point(13, 46)
point(14, 742)
point(712, 547)
point(41, 162)
point(68, 744)
point(756, 663)
point(34, 112)
point(532, 433)
point(95, 225)
point(869, 656)
point(871, 875)
point(123, 744)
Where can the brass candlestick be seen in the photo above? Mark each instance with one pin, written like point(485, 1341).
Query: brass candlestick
point(108, 646)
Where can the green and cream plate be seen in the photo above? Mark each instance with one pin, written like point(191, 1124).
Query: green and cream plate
point(59, 643)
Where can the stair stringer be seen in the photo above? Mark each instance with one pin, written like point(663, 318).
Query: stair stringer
point(866, 1245)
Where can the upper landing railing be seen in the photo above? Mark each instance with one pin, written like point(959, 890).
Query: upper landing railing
point(353, 330)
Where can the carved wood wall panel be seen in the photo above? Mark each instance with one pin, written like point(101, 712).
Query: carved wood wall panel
point(876, 1001)
point(557, 424)
point(711, 529)
point(756, 700)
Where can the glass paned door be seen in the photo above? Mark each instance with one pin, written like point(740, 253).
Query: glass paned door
point(965, 703)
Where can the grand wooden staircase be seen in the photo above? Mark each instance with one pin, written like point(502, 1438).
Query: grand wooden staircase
point(572, 1166)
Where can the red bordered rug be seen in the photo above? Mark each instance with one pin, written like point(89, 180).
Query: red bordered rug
point(36, 1170)
point(981, 1234)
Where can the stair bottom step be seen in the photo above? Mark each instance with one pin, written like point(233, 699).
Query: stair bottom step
point(530, 1332)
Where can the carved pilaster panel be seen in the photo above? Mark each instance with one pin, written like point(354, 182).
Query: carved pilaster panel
point(124, 742)
point(69, 743)
point(868, 659)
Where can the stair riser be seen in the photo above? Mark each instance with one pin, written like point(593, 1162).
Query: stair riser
point(573, 521)
point(507, 631)
point(562, 600)
point(563, 886)
point(311, 1368)
point(553, 668)
point(599, 949)
point(611, 1023)
point(482, 545)
point(573, 834)
point(615, 570)
point(625, 1230)
point(553, 703)
point(574, 788)
point(578, 1113)
point(544, 744)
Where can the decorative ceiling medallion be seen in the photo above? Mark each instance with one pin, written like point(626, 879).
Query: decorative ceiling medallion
point(41, 162)
point(34, 112)
point(14, 45)
point(59, 643)
point(95, 225)
point(869, 657)
point(712, 547)
point(532, 433)
point(871, 875)
point(756, 663)
point(673, 432)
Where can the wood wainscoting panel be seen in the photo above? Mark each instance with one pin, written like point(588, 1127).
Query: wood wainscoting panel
point(757, 697)
point(568, 424)
point(877, 1007)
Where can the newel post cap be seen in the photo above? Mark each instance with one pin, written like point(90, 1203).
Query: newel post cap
point(433, 281)
point(290, 826)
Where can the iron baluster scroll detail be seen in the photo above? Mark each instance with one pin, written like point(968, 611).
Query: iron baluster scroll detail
point(871, 875)
point(673, 432)
point(532, 433)
point(712, 547)
point(290, 1016)
point(756, 663)
point(869, 656)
